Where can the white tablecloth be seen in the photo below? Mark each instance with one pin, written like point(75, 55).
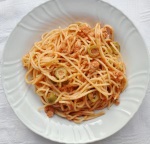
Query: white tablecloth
point(13, 131)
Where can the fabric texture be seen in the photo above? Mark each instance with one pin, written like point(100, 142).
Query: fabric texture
point(13, 131)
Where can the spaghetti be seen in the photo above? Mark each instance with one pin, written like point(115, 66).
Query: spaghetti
point(76, 70)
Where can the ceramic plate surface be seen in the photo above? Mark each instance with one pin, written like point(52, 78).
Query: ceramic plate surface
point(22, 97)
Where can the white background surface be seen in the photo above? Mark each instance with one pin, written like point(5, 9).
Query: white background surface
point(12, 131)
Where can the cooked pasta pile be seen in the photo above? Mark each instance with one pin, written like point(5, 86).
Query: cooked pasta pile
point(76, 70)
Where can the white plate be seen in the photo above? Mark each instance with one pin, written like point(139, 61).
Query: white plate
point(25, 102)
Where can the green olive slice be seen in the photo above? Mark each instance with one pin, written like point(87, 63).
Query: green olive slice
point(93, 97)
point(60, 72)
point(93, 51)
point(51, 98)
point(116, 44)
